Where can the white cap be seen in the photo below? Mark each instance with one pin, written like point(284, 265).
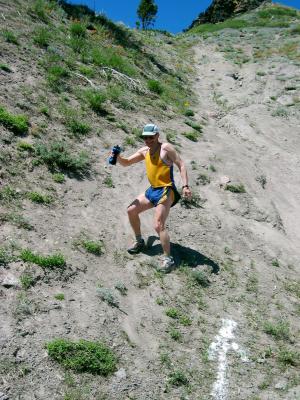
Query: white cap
point(150, 130)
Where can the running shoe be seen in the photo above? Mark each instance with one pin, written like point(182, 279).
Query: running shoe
point(137, 247)
point(168, 264)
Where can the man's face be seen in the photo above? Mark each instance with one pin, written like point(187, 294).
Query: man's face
point(150, 140)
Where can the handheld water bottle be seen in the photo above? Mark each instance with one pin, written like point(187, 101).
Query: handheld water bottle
point(116, 150)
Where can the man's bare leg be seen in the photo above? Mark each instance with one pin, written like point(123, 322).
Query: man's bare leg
point(161, 215)
point(140, 204)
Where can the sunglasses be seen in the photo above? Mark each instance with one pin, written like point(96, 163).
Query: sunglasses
point(150, 137)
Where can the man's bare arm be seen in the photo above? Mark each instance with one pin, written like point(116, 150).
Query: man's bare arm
point(134, 158)
point(176, 159)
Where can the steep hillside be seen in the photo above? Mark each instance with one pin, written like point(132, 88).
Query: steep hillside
point(224, 325)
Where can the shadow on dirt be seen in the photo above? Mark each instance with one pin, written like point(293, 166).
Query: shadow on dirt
point(182, 255)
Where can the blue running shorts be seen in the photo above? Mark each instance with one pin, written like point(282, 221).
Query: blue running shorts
point(159, 195)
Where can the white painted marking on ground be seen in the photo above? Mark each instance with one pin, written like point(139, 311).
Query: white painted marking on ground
point(218, 350)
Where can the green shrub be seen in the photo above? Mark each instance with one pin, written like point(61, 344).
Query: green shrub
point(56, 76)
point(295, 30)
point(236, 188)
point(155, 86)
point(8, 194)
point(121, 288)
point(5, 68)
point(18, 220)
point(77, 29)
point(5, 257)
point(96, 100)
point(228, 24)
point(107, 296)
point(280, 329)
point(277, 12)
point(59, 296)
point(58, 157)
point(109, 57)
point(200, 278)
point(94, 247)
point(58, 178)
point(177, 378)
point(39, 9)
point(27, 281)
point(203, 179)
point(172, 313)
point(78, 128)
point(18, 124)
point(175, 334)
point(83, 356)
point(10, 37)
point(192, 135)
point(56, 260)
point(25, 146)
point(193, 125)
point(188, 113)
point(39, 198)
point(42, 36)
point(289, 357)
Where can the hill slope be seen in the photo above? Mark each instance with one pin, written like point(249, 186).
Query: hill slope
point(65, 272)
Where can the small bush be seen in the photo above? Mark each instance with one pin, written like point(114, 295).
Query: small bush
point(39, 9)
point(188, 113)
point(107, 296)
point(94, 247)
point(8, 194)
point(59, 296)
point(78, 128)
point(203, 179)
point(5, 257)
point(25, 146)
point(18, 220)
point(39, 198)
point(193, 125)
point(175, 334)
point(177, 378)
point(18, 124)
point(56, 260)
point(193, 136)
point(172, 313)
point(155, 86)
point(27, 281)
point(58, 157)
point(83, 356)
point(276, 263)
point(121, 288)
point(77, 29)
point(236, 188)
point(289, 357)
point(58, 178)
point(96, 100)
point(108, 56)
point(279, 330)
point(200, 278)
point(194, 201)
point(10, 37)
point(5, 68)
point(42, 36)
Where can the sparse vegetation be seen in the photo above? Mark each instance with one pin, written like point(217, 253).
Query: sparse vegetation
point(279, 329)
point(18, 124)
point(53, 261)
point(238, 188)
point(107, 296)
point(83, 356)
point(39, 198)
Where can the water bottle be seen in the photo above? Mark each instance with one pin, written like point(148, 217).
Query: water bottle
point(116, 150)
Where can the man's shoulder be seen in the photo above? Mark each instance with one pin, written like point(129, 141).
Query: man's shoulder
point(143, 150)
point(167, 146)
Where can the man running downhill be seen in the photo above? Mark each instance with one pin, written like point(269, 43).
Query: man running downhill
point(162, 194)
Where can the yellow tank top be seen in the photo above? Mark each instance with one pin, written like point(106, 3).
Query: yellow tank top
point(158, 173)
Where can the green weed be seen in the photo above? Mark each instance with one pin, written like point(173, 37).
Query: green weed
point(96, 100)
point(175, 334)
point(279, 330)
point(39, 198)
point(188, 113)
point(107, 296)
point(83, 356)
point(17, 220)
point(5, 257)
point(59, 296)
point(172, 313)
point(94, 247)
point(56, 260)
point(78, 29)
point(200, 278)
point(202, 179)
point(18, 124)
point(58, 178)
point(27, 281)
point(108, 181)
point(109, 57)
point(56, 75)
point(42, 36)
point(57, 157)
point(155, 86)
point(289, 357)
point(192, 135)
point(10, 37)
point(276, 263)
point(121, 288)
point(177, 378)
point(235, 188)
point(25, 146)
point(5, 68)
point(78, 128)
point(39, 9)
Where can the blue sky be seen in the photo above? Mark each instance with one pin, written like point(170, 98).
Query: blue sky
point(172, 16)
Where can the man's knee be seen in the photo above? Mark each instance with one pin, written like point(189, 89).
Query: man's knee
point(132, 210)
point(159, 226)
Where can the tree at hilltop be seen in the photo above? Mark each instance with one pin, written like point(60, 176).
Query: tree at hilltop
point(146, 12)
